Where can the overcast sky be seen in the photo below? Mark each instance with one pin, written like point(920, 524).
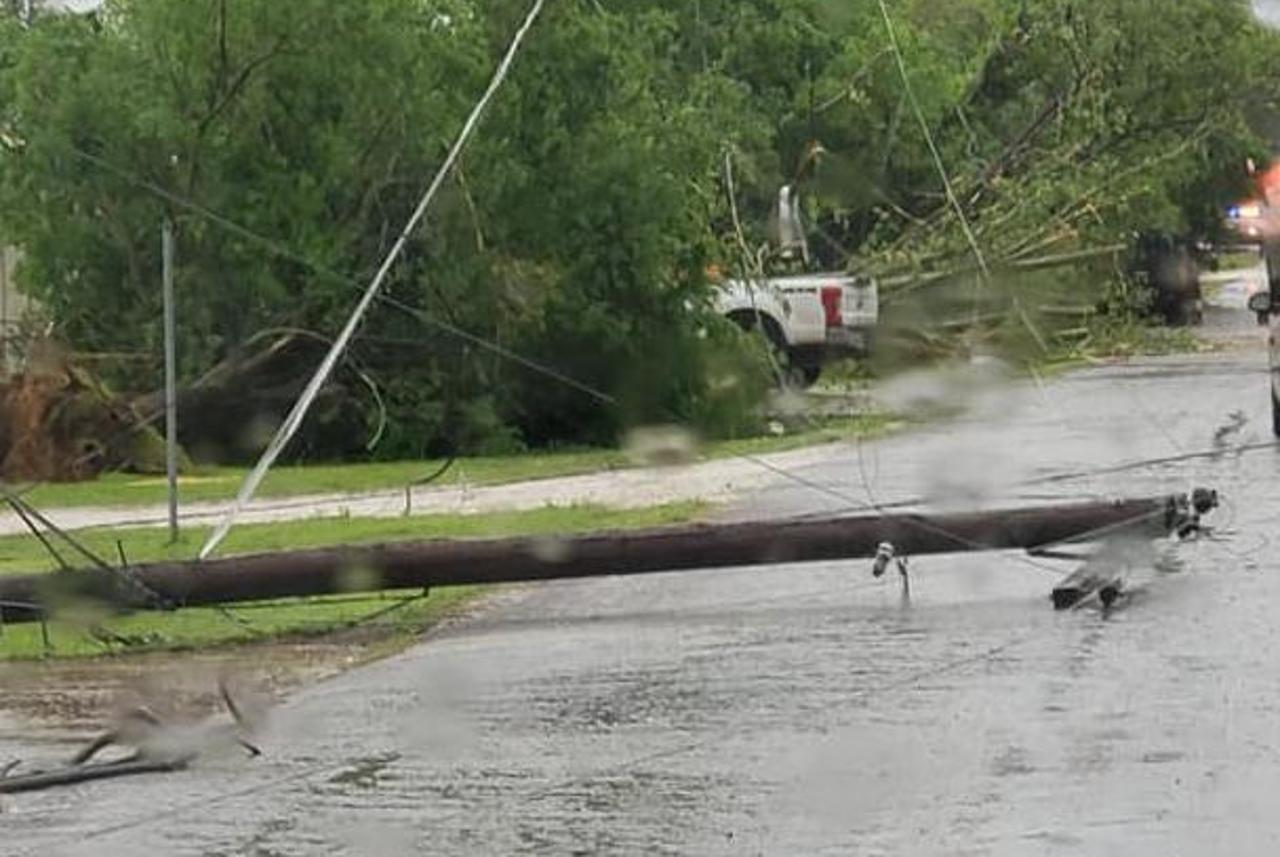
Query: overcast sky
point(1268, 10)
point(72, 5)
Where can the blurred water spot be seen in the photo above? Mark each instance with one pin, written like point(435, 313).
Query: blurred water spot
point(434, 722)
point(358, 577)
point(661, 446)
point(550, 549)
point(789, 402)
point(257, 433)
point(365, 837)
point(944, 389)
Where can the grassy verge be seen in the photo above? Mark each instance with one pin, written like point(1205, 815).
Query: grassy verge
point(221, 483)
point(810, 433)
point(267, 621)
point(1121, 342)
point(123, 489)
point(1236, 261)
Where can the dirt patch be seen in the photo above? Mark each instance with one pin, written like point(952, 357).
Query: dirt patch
point(58, 700)
point(83, 694)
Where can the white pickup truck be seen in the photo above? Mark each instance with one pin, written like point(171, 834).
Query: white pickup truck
point(808, 318)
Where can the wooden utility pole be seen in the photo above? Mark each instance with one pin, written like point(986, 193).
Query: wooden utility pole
point(420, 565)
point(170, 381)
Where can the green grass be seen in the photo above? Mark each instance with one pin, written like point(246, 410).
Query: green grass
point(125, 489)
point(264, 622)
point(221, 483)
point(824, 431)
point(1109, 342)
point(1234, 261)
point(202, 627)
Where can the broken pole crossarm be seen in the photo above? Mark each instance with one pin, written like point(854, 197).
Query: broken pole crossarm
point(418, 565)
point(1092, 577)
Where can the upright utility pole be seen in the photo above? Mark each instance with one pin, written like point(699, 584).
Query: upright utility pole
point(4, 310)
point(170, 382)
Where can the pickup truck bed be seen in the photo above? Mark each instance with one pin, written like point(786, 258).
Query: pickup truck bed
point(810, 318)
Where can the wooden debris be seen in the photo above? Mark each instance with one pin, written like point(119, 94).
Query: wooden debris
point(157, 749)
point(73, 774)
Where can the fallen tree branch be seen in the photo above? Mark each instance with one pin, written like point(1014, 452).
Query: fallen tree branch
point(73, 774)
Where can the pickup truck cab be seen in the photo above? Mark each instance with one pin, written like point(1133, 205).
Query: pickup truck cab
point(808, 318)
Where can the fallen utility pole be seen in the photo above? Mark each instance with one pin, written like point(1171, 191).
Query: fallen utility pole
point(422, 565)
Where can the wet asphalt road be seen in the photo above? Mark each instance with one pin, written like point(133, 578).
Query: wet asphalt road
point(808, 709)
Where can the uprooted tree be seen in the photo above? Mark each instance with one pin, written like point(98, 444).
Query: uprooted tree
point(59, 422)
point(578, 227)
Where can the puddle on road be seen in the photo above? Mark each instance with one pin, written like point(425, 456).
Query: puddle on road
point(364, 772)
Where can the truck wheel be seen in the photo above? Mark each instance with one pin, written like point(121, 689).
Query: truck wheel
point(793, 376)
point(789, 375)
point(810, 374)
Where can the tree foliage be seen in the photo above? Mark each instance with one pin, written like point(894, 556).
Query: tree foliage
point(577, 229)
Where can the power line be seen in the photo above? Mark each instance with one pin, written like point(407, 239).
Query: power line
point(424, 317)
point(282, 250)
point(984, 270)
point(294, 420)
point(933, 147)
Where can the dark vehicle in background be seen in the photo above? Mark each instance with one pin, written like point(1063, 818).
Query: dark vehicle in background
point(1267, 305)
point(1167, 265)
point(1257, 219)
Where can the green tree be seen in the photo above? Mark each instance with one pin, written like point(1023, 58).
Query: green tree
point(578, 226)
point(576, 229)
point(273, 114)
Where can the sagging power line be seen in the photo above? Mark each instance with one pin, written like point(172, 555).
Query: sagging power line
point(294, 420)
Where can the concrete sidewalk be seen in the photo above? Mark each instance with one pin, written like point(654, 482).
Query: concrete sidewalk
point(718, 480)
